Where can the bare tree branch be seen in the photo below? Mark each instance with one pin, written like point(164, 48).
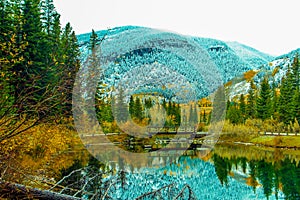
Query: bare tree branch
point(64, 178)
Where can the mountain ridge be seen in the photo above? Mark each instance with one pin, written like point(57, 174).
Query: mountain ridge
point(232, 59)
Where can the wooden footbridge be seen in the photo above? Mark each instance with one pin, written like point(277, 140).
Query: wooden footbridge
point(192, 131)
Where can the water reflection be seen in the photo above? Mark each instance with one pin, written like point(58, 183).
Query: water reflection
point(273, 175)
point(229, 172)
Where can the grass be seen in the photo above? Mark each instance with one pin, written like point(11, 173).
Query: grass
point(278, 141)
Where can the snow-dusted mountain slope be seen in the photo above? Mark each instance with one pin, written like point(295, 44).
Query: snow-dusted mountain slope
point(199, 64)
point(274, 70)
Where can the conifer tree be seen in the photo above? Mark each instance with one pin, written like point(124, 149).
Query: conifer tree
point(243, 107)
point(131, 106)
point(296, 105)
point(251, 101)
point(138, 109)
point(48, 16)
point(274, 110)
point(264, 100)
point(285, 99)
point(178, 116)
point(70, 59)
point(233, 114)
point(295, 73)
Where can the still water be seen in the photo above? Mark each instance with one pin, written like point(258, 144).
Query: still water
point(228, 172)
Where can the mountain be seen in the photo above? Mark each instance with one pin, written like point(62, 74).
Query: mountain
point(275, 70)
point(150, 60)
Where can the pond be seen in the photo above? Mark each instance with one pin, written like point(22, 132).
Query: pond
point(229, 171)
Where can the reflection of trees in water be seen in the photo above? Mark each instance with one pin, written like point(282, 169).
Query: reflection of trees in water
point(282, 175)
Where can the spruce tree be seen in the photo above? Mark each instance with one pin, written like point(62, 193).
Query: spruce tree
point(251, 101)
point(275, 99)
point(48, 15)
point(70, 59)
point(93, 40)
point(178, 116)
point(296, 105)
point(131, 106)
point(243, 107)
point(285, 99)
point(233, 114)
point(138, 109)
point(295, 73)
point(264, 100)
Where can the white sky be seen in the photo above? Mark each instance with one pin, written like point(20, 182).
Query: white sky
point(269, 26)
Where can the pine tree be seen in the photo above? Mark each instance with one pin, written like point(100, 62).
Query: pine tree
point(48, 16)
point(164, 104)
point(296, 105)
point(138, 109)
point(6, 19)
point(233, 114)
point(274, 110)
point(10, 51)
point(285, 99)
point(178, 116)
point(242, 107)
point(131, 106)
point(94, 40)
point(264, 100)
point(295, 73)
point(70, 59)
point(251, 101)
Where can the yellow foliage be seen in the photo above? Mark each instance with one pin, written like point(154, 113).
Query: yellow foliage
point(249, 75)
point(275, 71)
point(229, 83)
point(45, 148)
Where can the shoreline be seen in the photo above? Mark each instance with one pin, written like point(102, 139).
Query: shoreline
point(272, 141)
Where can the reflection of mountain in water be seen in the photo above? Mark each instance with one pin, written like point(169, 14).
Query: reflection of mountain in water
point(224, 173)
point(206, 180)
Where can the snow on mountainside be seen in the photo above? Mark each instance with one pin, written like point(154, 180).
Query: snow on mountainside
point(275, 70)
point(231, 59)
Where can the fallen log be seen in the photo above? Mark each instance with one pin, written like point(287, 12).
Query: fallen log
point(18, 191)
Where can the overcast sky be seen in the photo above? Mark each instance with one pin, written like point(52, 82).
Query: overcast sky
point(269, 26)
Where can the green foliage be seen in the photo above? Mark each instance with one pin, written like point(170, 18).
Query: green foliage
point(222, 168)
point(271, 176)
point(234, 114)
point(273, 105)
point(251, 102)
point(264, 100)
point(38, 63)
point(242, 107)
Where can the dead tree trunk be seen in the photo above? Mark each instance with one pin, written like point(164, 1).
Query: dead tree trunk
point(17, 191)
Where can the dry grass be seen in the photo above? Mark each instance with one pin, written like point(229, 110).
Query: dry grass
point(41, 152)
